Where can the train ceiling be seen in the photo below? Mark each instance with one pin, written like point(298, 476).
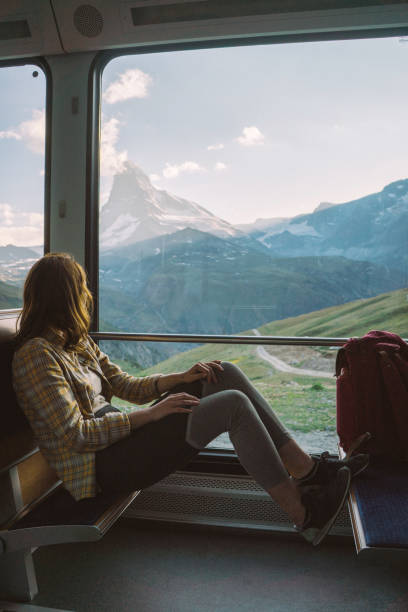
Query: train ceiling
point(31, 28)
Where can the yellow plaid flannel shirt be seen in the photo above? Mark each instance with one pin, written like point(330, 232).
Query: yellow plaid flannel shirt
point(57, 400)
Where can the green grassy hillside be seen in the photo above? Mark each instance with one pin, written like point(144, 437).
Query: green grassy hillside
point(388, 311)
point(305, 403)
point(10, 296)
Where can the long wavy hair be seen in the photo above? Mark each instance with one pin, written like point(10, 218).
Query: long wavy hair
point(56, 297)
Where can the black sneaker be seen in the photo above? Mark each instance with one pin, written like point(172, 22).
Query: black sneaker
point(323, 506)
point(326, 467)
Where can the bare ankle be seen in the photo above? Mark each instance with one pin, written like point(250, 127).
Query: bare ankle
point(288, 496)
point(297, 462)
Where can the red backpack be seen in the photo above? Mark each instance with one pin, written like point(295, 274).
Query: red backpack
point(372, 395)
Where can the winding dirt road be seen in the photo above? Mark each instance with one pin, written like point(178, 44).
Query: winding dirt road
point(282, 366)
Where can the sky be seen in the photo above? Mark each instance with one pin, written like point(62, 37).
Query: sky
point(22, 135)
point(248, 132)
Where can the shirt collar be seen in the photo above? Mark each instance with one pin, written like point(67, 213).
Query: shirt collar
point(55, 337)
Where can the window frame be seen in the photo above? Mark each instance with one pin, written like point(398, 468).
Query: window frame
point(209, 460)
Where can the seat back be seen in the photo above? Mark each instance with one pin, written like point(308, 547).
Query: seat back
point(25, 476)
point(16, 438)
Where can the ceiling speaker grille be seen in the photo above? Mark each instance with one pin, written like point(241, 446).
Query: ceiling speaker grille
point(88, 20)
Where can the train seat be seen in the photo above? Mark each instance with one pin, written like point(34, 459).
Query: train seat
point(35, 510)
point(378, 503)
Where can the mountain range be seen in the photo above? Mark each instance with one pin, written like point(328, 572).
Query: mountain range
point(15, 262)
point(194, 282)
point(373, 228)
point(168, 265)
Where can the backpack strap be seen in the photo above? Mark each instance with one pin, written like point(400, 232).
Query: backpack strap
point(394, 371)
point(341, 361)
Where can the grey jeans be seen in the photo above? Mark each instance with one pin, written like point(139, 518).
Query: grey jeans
point(233, 405)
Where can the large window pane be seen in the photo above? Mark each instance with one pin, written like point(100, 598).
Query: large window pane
point(256, 189)
point(22, 141)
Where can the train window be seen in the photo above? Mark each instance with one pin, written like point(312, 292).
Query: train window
point(22, 154)
point(256, 190)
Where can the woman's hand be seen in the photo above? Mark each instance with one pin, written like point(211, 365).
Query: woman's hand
point(177, 402)
point(203, 371)
point(199, 371)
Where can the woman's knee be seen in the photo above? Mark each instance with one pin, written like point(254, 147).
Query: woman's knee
point(228, 366)
point(237, 402)
point(230, 369)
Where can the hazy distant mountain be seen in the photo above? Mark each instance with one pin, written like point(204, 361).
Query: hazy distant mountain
point(373, 228)
point(262, 224)
point(323, 206)
point(10, 297)
point(138, 211)
point(194, 282)
point(16, 261)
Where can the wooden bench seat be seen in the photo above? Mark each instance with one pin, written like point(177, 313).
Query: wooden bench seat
point(35, 509)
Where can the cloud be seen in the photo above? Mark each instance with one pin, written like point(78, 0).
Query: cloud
point(10, 134)
point(31, 132)
point(216, 147)
point(20, 228)
point(6, 214)
point(220, 166)
point(112, 160)
point(188, 166)
point(131, 84)
point(154, 178)
point(251, 137)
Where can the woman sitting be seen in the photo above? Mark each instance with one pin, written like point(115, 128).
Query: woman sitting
point(65, 385)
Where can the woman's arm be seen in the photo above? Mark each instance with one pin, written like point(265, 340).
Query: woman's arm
point(138, 390)
point(144, 389)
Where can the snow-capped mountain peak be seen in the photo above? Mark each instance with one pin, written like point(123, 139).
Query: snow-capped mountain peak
point(136, 211)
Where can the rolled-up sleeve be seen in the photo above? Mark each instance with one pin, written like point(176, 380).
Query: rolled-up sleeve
point(47, 400)
point(138, 390)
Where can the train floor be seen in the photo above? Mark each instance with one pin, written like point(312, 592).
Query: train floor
point(147, 567)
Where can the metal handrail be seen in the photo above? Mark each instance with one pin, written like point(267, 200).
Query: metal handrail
point(217, 339)
point(209, 338)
